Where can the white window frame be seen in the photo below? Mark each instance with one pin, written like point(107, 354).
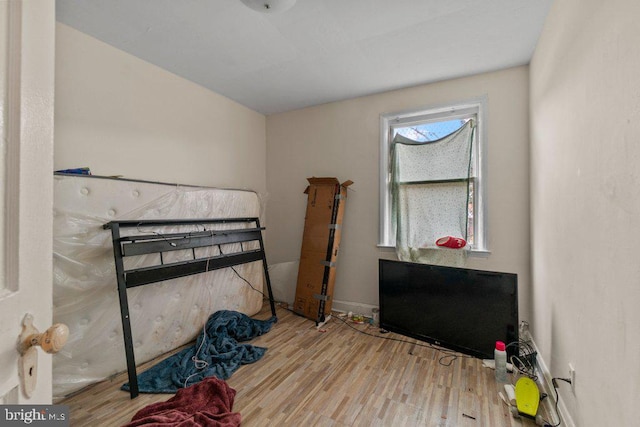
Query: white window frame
point(437, 113)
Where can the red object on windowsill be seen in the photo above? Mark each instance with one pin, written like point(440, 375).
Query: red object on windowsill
point(451, 242)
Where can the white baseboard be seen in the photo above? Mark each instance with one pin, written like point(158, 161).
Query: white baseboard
point(355, 307)
point(544, 381)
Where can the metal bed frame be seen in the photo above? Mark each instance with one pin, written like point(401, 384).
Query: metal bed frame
point(248, 230)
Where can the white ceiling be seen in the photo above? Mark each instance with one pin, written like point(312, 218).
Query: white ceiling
point(319, 50)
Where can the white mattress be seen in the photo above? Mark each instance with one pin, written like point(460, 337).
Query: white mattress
point(165, 315)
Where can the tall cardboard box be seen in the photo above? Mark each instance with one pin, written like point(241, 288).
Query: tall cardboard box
point(320, 246)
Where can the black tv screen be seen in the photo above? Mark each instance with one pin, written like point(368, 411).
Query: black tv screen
point(457, 308)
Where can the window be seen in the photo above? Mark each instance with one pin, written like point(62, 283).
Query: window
point(430, 124)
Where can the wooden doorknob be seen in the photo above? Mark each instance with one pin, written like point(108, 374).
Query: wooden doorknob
point(51, 341)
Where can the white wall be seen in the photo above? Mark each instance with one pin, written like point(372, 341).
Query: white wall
point(120, 115)
point(585, 125)
point(342, 139)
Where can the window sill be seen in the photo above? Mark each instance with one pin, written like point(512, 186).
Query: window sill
point(476, 253)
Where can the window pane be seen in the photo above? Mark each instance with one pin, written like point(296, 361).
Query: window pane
point(443, 205)
point(426, 208)
point(426, 125)
point(431, 131)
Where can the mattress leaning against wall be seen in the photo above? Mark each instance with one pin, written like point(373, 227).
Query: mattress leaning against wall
point(165, 315)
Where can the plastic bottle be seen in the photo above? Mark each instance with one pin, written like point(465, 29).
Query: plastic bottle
point(375, 316)
point(500, 358)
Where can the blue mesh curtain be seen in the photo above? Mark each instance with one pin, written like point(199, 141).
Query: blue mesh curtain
point(430, 191)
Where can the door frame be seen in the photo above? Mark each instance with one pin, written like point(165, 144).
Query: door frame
point(28, 191)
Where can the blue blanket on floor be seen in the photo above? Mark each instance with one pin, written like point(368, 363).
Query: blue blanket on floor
point(216, 353)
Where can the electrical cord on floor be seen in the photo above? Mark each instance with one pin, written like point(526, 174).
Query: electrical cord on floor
point(450, 354)
point(198, 363)
point(554, 381)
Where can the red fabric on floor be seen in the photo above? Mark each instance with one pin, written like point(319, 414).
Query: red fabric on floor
point(207, 403)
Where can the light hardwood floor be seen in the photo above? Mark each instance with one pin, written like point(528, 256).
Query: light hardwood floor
point(334, 377)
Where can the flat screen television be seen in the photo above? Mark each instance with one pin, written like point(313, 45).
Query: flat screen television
point(460, 309)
